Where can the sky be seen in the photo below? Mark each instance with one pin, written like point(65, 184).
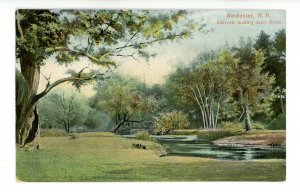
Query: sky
point(224, 26)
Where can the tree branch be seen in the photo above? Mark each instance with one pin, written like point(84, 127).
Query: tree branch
point(58, 82)
point(19, 26)
point(146, 42)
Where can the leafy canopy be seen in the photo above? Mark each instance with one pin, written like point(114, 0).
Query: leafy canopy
point(98, 35)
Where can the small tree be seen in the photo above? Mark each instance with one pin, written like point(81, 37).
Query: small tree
point(167, 122)
point(59, 109)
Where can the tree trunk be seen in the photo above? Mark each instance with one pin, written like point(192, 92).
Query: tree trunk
point(217, 113)
point(27, 82)
point(282, 105)
point(247, 118)
point(118, 126)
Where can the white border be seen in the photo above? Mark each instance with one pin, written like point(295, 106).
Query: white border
point(7, 60)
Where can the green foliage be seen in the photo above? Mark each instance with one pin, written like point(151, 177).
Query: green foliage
point(203, 87)
point(278, 123)
point(53, 133)
point(97, 120)
point(61, 109)
point(275, 64)
point(258, 125)
point(167, 122)
point(123, 99)
point(143, 135)
point(98, 35)
point(212, 135)
point(229, 125)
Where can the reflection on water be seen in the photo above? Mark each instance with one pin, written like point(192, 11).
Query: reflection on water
point(191, 146)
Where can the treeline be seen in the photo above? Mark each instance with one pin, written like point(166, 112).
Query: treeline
point(236, 83)
point(239, 83)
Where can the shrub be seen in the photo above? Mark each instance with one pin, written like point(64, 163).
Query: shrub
point(164, 123)
point(278, 123)
point(228, 125)
point(143, 135)
point(53, 133)
point(212, 135)
point(258, 125)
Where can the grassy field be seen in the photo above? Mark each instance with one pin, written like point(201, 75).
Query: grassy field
point(106, 157)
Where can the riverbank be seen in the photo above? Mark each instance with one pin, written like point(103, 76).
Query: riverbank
point(257, 139)
point(107, 157)
point(234, 136)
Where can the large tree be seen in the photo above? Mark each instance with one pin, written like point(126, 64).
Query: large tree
point(202, 86)
point(70, 35)
point(124, 100)
point(274, 50)
point(250, 86)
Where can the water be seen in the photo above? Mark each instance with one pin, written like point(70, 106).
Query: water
point(192, 146)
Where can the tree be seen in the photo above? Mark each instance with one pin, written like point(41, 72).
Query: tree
point(249, 85)
point(275, 64)
point(203, 86)
point(70, 35)
point(123, 99)
point(59, 109)
point(69, 111)
point(167, 122)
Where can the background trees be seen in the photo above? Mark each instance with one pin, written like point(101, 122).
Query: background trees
point(232, 81)
point(124, 100)
point(62, 110)
point(70, 35)
point(275, 64)
point(203, 85)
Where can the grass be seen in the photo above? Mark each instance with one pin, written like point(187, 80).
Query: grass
point(107, 157)
point(53, 133)
point(143, 135)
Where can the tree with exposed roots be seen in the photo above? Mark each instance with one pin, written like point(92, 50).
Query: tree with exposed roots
point(70, 35)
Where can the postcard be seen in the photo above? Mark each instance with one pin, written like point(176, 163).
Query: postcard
point(150, 95)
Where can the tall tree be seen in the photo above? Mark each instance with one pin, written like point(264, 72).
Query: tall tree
point(70, 35)
point(203, 86)
point(250, 86)
point(275, 64)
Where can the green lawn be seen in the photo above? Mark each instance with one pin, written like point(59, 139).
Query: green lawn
point(106, 157)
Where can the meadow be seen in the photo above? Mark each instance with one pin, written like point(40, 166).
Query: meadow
point(104, 156)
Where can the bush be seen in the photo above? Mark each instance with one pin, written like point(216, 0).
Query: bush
point(212, 135)
point(231, 125)
point(143, 135)
point(278, 123)
point(164, 123)
point(53, 133)
point(258, 125)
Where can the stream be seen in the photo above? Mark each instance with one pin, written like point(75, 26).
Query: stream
point(192, 146)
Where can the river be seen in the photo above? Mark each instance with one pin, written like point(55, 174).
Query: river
point(193, 146)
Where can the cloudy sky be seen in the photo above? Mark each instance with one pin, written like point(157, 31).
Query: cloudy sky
point(168, 55)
